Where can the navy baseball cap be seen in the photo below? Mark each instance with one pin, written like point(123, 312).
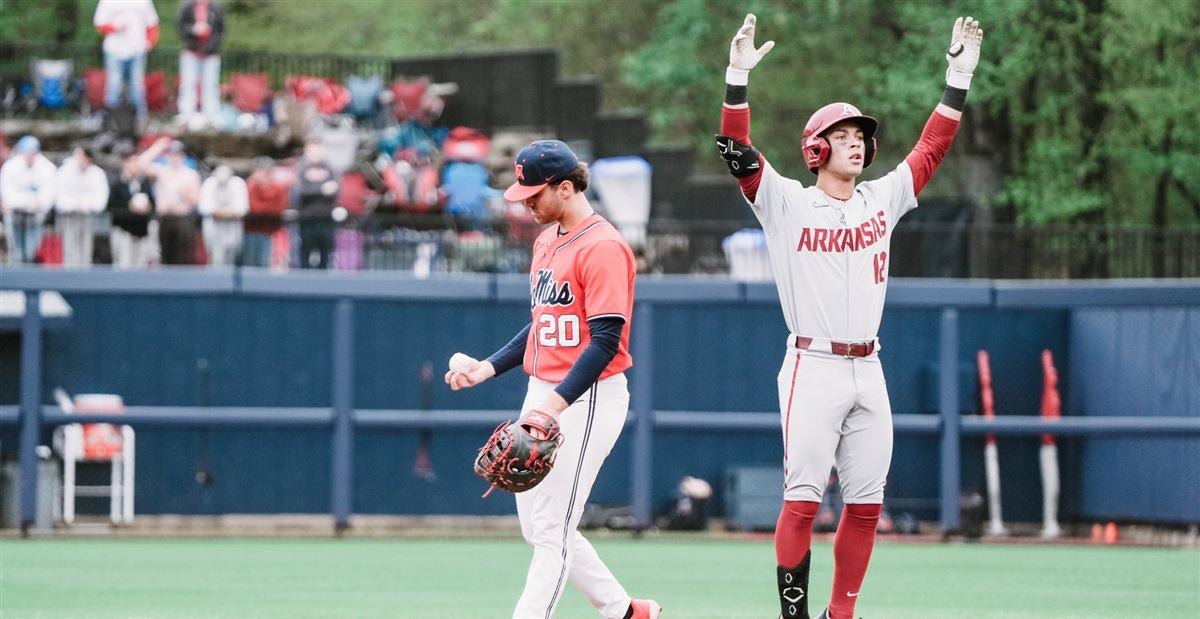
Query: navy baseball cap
point(539, 164)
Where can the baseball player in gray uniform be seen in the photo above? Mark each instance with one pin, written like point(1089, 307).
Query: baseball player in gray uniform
point(829, 245)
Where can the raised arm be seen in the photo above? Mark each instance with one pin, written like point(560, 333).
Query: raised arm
point(145, 160)
point(733, 143)
point(962, 57)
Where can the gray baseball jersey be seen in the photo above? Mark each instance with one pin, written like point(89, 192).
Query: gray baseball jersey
point(830, 258)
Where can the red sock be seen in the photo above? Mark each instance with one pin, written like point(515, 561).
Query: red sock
point(851, 553)
point(793, 532)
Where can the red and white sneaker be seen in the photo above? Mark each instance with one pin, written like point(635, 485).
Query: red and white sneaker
point(645, 609)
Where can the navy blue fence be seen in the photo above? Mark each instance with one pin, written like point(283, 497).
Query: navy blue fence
point(689, 319)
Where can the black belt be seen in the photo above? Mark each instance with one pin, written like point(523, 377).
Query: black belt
point(845, 349)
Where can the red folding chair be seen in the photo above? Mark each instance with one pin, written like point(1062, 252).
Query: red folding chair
point(158, 95)
point(94, 81)
point(250, 92)
point(329, 96)
point(409, 99)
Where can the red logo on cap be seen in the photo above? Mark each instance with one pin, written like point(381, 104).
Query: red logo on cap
point(520, 173)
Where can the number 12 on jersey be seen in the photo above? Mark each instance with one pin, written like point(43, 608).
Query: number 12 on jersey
point(558, 331)
point(880, 267)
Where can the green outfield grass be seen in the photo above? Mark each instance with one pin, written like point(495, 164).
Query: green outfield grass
point(465, 579)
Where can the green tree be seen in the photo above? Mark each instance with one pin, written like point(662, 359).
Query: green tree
point(680, 69)
point(50, 20)
point(1153, 141)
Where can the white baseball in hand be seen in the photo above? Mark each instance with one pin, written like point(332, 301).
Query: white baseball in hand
point(460, 363)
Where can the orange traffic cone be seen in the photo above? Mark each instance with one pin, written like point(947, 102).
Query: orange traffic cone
point(1097, 533)
point(1110, 533)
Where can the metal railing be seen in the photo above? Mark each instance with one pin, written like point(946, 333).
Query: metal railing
point(431, 243)
point(1012, 251)
point(342, 419)
point(1000, 251)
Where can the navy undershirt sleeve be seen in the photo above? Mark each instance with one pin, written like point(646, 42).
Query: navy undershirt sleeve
point(606, 337)
point(513, 353)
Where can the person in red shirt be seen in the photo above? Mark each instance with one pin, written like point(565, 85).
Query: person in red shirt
point(268, 201)
point(575, 350)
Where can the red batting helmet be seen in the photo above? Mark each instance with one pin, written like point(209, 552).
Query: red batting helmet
point(816, 147)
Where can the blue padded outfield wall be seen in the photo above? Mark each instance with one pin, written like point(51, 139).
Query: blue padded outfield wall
point(1138, 359)
point(234, 350)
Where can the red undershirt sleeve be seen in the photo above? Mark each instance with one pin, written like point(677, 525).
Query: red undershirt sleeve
point(927, 155)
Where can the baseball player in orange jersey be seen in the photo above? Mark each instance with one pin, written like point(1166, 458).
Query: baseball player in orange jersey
point(575, 350)
point(829, 246)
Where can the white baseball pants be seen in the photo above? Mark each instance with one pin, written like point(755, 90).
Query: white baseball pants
point(550, 512)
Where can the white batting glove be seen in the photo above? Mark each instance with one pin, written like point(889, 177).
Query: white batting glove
point(963, 53)
point(742, 54)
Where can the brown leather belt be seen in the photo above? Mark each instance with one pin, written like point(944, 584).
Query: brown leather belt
point(844, 349)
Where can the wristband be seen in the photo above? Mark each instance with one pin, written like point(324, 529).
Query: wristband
point(954, 98)
point(735, 95)
point(737, 77)
point(958, 79)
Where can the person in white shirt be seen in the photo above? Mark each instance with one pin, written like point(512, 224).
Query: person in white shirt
point(224, 201)
point(26, 195)
point(81, 192)
point(130, 28)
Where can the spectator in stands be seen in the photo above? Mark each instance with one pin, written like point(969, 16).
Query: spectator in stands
point(81, 191)
point(314, 196)
point(130, 29)
point(131, 203)
point(268, 200)
point(201, 25)
point(26, 194)
point(176, 191)
point(224, 201)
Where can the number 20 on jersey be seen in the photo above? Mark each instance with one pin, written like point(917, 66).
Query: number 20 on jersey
point(558, 331)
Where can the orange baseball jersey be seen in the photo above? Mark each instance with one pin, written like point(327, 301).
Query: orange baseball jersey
point(584, 274)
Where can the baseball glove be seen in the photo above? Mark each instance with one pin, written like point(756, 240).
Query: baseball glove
point(519, 455)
